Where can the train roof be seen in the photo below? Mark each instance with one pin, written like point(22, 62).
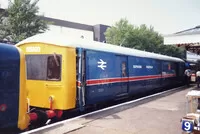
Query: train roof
point(2, 43)
point(61, 40)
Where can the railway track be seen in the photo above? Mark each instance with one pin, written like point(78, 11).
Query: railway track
point(71, 123)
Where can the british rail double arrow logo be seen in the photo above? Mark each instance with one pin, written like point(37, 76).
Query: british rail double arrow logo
point(102, 64)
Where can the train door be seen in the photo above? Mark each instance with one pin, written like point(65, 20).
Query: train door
point(80, 76)
point(123, 63)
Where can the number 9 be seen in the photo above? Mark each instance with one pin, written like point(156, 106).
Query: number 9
point(187, 126)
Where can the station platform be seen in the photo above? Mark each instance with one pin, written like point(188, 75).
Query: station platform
point(159, 116)
point(155, 115)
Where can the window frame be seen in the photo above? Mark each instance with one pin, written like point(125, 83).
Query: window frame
point(46, 62)
point(124, 70)
point(60, 67)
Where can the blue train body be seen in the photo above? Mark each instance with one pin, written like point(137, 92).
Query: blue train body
point(109, 76)
point(9, 89)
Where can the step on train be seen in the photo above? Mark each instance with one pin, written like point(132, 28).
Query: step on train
point(47, 74)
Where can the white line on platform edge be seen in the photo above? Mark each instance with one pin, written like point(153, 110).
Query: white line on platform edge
point(108, 108)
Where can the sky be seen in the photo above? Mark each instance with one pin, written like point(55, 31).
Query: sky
point(166, 16)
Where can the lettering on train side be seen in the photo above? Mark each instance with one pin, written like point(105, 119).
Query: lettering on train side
point(137, 66)
point(32, 49)
point(149, 67)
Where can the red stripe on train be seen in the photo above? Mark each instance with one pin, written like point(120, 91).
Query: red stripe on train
point(144, 77)
point(126, 79)
point(110, 80)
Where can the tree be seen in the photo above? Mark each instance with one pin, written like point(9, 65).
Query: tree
point(21, 21)
point(142, 38)
point(118, 34)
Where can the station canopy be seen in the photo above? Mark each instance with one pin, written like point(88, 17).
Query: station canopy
point(188, 39)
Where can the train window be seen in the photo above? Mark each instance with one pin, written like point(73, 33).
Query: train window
point(53, 67)
point(169, 68)
point(123, 69)
point(43, 67)
point(173, 68)
point(36, 67)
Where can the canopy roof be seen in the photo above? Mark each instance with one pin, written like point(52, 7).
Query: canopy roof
point(189, 39)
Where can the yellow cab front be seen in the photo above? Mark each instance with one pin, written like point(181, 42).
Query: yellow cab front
point(51, 75)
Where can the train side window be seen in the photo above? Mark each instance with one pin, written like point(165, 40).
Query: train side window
point(53, 67)
point(123, 69)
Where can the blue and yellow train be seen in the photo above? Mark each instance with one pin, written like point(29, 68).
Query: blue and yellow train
point(68, 73)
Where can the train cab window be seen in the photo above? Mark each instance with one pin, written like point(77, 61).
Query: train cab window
point(43, 67)
point(53, 68)
point(123, 69)
point(36, 67)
